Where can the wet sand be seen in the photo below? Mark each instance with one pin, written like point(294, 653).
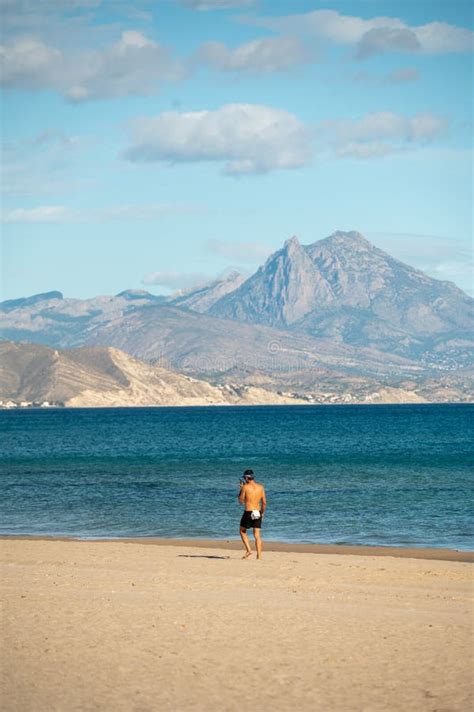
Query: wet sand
point(186, 625)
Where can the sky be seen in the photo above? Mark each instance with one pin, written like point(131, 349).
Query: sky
point(158, 144)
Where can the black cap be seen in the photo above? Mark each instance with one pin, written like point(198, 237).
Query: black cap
point(249, 474)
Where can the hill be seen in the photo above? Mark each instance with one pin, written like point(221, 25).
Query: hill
point(90, 377)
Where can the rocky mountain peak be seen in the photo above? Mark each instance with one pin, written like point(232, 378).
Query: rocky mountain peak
point(281, 292)
point(351, 240)
point(292, 244)
point(345, 288)
point(291, 250)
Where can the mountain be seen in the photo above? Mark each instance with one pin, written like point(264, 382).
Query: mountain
point(346, 289)
point(52, 320)
point(281, 293)
point(202, 298)
point(11, 304)
point(332, 319)
point(89, 377)
point(187, 341)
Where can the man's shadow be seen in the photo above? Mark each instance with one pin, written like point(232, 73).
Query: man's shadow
point(201, 556)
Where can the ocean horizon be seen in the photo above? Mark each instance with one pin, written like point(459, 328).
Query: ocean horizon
point(388, 475)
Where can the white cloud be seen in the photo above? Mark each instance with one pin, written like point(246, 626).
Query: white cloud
point(271, 54)
point(53, 21)
point(372, 36)
point(247, 138)
point(380, 133)
point(27, 63)
point(216, 4)
point(63, 214)
point(251, 252)
point(16, 9)
point(258, 139)
point(440, 38)
point(176, 280)
point(43, 214)
point(49, 5)
point(134, 65)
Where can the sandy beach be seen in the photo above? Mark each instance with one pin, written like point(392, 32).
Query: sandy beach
point(133, 626)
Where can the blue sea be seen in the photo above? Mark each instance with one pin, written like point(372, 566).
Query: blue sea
point(393, 475)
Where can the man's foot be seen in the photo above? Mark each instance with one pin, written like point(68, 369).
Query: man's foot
point(247, 554)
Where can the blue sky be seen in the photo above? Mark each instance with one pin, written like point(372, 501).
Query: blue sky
point(157, 144)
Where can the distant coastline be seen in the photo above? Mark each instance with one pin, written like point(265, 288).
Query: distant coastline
point(34, 375)
point(62, 406)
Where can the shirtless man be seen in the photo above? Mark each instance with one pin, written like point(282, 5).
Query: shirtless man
point(252, 495)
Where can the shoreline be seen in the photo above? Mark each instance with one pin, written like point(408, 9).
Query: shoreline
point(425, 553)
point(234, 405)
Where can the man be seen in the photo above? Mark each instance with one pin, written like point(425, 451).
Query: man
point(252, 496)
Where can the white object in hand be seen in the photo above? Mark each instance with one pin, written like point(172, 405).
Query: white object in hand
point(255, 514)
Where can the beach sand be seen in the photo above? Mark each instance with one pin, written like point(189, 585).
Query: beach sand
point(139, 627)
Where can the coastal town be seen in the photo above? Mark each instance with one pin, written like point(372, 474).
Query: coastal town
point(10, 404)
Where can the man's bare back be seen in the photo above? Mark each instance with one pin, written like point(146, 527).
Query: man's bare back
point(252, 495)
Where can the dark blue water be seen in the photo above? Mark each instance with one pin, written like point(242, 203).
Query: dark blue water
point(390, 475)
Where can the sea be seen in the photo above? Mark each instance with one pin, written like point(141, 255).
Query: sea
point(392, 475)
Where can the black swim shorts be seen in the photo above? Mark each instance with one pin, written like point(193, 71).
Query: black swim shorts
point(248, 523)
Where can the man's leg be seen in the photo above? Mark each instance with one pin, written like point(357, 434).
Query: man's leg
point(245, 539)
point(258, 542)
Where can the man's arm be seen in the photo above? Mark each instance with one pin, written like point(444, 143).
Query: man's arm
point(264, 502)
point(242, 494)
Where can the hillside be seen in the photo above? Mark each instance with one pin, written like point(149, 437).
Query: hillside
point(185, 340)
point(90, 377)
